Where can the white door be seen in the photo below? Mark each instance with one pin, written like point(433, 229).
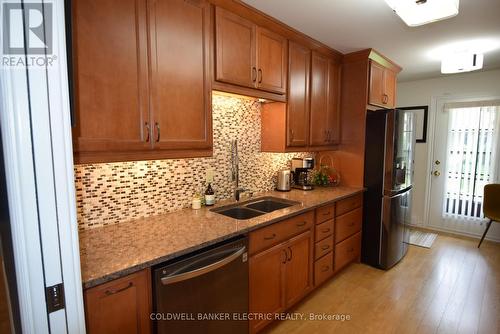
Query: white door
point(465, 158)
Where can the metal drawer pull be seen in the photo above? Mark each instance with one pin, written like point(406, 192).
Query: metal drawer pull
point(270, 237)
point(325, 268)
point(325, 247)
point(351, 250)
point(254, 74)
point(351, 224)
point(204, 270)
point(326, 213)
point(290, 252)
point(326, 230)
point(301, 224)
point(112, 292)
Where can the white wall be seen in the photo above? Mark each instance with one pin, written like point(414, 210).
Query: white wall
point(422, 92)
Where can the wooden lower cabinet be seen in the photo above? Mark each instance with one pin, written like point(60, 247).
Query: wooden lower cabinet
point(279, 277)
point(347, 251)
point(120, 306)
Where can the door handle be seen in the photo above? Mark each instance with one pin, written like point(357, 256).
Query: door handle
point(436, 173)
point(204, 270)
point(290, 254)
point(437, 162)
point(112, 292)
point(147, 131)
point(157, 125)
point(254, 74)
point(260, 75)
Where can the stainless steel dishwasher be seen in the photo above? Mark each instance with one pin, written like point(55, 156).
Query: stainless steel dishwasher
point(206, 292)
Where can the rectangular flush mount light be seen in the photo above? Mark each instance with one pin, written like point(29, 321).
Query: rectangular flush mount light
point(465, 61)
point(418, 12)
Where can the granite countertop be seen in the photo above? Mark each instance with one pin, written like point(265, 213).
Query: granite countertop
point(110, 252)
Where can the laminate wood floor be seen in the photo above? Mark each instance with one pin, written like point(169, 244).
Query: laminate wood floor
point(451, 288)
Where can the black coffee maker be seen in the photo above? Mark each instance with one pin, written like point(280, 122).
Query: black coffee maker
point(300, 173)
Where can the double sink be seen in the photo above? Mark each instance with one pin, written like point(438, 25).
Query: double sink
point(254, 208)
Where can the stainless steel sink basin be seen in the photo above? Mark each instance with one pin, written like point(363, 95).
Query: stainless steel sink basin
point(239, 212)
point(269, 205)
point(255, 207)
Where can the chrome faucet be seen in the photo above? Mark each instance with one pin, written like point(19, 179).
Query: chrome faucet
point(235, 170)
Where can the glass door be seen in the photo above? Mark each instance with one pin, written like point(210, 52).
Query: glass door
point(465, 159)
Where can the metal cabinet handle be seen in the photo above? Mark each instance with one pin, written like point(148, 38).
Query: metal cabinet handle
point(270, 237)
point(204, 270)
point(301, 224)
point(157, 125)
point(325, 247)
point(325, 268)
point(285, 257)
point(112, 292)
point(291, 134)
point(260, 75)
point(147, 131)
point(351, 224)
point(254, 74)
point(290, 254)
point(326, 230)
point(351, 250)
point(326, 213)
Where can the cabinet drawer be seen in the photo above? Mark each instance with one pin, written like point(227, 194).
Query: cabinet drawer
point(325, 213)
point(271, 235)
point(348, 224)
point(323, 247)
point(349, 204)
point(324, 230)
point(347, 251)
point(323, 269)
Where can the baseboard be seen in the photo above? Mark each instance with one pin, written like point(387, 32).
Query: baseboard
point(452, 232)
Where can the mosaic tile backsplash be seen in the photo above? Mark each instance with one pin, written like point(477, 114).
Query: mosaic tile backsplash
point(111, 193)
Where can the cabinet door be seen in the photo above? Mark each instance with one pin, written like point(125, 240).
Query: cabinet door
point(271, 61)
point(390, 88)
point(318, 133)
point(180, 84)
point(299, 61)
point(333, 108)
point(235, 49)
point(298, 276)
point(110, 73)
point(266, 271)
point(376, 89)
point(120, 306)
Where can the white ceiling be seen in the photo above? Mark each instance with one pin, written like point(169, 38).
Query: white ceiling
point(351, 25)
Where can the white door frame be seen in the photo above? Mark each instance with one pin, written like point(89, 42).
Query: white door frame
point(36, 133)
point(437, 104)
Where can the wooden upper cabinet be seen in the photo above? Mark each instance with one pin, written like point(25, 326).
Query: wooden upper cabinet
point(390, 88)
point(110, 68)
point(325, 98)
point(271, 61)
point(247, 55)
point(234, 49)
point(382, 86)
point(180, 71)
point(319, 100)
point(299, 63)
point(120, 306)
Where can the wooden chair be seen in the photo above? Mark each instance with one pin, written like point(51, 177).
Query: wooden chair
point(491, 207)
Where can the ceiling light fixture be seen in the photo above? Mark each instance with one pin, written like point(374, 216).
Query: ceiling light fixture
point(461, 61)
point(418, 12)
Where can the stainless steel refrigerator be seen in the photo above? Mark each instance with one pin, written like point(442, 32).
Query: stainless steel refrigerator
point(389, 161)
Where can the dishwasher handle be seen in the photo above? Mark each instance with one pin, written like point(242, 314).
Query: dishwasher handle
point(204, 270)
